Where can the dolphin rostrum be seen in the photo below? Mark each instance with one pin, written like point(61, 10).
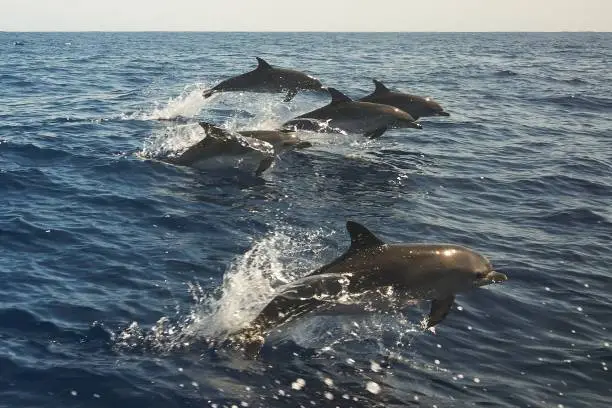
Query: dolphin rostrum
point(345, 115)
point(219, 144)
point(266, 78)
point(376, 276)
point(416, 106)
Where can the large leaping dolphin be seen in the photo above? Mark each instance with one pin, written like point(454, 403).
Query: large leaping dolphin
point(345, 115)
point(266, 78)
point(376, 276)
point(416, 106)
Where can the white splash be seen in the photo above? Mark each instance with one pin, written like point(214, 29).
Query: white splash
point(186, 105)
point(250, 282)
point(172, 141)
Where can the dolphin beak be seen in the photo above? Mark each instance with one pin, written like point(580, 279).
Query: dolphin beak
point(491, 277)
point(442, 113)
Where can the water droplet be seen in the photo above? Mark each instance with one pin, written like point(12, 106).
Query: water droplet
point(73, 393)
point(329, 395)
point(477, 380)
point(459, 308)
point(373, 387)
point(547, 289)
point(374, 366)
point(437, 362)
point(579, 309)
point(96, 395)
point(329, 382)
point(298, 384)
point(350, 361)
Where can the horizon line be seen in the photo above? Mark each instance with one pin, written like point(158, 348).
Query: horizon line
point(299, 31)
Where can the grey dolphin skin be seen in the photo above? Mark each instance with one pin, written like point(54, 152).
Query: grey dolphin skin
point(222, 143)
point(266, 78)
point(372, 273)
point(282, 139)
point(416, 106)
point(344, 114)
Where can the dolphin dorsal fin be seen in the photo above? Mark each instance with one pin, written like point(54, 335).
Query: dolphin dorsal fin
point(214, 130)
point(337, 96)
point(361, 237)
point(380, 87)
point(262, 64)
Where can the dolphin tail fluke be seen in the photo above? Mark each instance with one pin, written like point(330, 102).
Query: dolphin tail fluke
point(439, 310)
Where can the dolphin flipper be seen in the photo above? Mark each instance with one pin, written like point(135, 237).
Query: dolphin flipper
point(376, 133)
point(264, 165)
point(439, 310)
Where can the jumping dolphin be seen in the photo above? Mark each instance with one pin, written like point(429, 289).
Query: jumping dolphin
point(282, 139)
point(344, 114)
point(266, 78)
point(377, 276)
point(416, 106)
point(220, 144)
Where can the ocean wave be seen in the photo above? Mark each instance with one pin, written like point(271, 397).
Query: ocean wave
point(591, 102)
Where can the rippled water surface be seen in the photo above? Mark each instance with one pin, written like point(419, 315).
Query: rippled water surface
point(116, 267)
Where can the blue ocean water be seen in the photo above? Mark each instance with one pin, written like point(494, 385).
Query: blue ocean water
point(116, 268)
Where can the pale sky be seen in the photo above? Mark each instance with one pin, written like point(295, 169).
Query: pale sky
point(306, 15)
